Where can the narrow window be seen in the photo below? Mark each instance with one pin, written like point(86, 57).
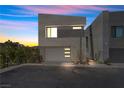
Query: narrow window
point(66, 49)
point(87, 46)
point(67, 56)
point(77, 27)
point(67, 52)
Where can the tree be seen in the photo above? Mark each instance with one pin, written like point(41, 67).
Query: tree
point(12, 53)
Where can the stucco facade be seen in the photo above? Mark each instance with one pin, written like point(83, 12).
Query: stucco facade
point(104, 46)
point(66, 37)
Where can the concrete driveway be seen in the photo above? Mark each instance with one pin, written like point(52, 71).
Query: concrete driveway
point(39, 76)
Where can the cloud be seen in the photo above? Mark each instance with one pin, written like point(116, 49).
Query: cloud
point(33, 10)
point(83, 7)
point(17, 25)
point(63, 9)
point(15, 15)
point(23, 31)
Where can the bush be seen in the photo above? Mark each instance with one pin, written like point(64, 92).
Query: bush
point(2, 60)
point(12, 53)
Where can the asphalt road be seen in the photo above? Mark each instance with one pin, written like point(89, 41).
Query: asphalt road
point(62, 77)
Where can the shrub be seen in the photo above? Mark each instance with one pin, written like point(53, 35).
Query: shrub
point(12, 53)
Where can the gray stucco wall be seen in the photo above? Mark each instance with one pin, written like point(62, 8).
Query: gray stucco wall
point(70, 40)
point(69, 33)
point(101, 29)
point(73, 43)
point(116, 19)
point(106, 35)
point(87, 34)
point(97, 32)
point(57, 20)
point(100, 36)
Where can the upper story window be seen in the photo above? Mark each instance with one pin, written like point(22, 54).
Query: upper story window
point(117, 31)
point(77, 27)
point(51, 32)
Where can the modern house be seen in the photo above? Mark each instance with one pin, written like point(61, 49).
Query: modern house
point(61, 38)
point(105, 37)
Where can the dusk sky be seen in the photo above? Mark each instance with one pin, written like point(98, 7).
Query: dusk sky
point(20, 23)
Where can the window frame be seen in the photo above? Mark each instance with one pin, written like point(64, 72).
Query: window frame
point(114, 32)
point(50, 36)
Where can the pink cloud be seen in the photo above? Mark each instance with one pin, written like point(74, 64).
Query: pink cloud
point(18, 25)
point(63, 9)
point(47, 10)
point(53, 10)
point(30, 11)
point(85, 7)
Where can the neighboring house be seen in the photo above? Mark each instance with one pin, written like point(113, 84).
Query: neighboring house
point(105, 37)
point(59, 37)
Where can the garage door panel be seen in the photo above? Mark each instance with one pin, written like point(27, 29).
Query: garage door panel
point(116, 55)
point(55, 54)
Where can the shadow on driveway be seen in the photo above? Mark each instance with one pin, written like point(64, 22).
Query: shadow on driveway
point(62, 77)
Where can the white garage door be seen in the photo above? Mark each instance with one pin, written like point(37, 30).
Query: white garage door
point(55, 55)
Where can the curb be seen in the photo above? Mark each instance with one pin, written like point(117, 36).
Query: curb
point(10, 68)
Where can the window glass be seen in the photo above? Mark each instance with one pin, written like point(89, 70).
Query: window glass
point(67, 55)
point(51, 32)
point(117, 31)
point(67, 52)
point(48, 32)
point(66, 49)
point(77, 27)
point(87, 45)
point(54, 32)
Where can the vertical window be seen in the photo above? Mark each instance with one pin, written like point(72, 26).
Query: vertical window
point(51, 32)
point(77, 27)
point(117, 31)
point(67, 52)
point(87, 43)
